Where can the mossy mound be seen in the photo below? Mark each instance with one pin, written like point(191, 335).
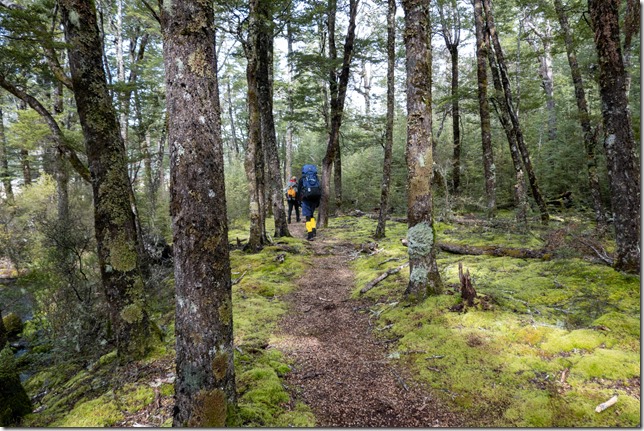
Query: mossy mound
point(14, 401)
point(13, 324)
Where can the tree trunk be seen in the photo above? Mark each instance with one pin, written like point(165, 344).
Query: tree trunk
point(505, 82)
point(389, 131)
point(231, 118)
point(489, 169)
point(205, 385)
point(424, 278)
point(623, 173)
point(337, 178)
point(590, 137)
point(114, 223)
point(289, 103)
point(253, 160)
point(265, 95)
point(4, 162)
point(26, 167)
point(338, 91)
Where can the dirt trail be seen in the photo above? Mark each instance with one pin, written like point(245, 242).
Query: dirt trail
point(341, 371)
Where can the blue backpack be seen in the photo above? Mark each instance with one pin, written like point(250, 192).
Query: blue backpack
point(310, 182)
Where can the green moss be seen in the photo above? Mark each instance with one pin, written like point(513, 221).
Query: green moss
point(134, 397)
point(209, 409)
point(534, 411)
point(166, 390)
point(132, 313)
point(564, 341)
point(220, 365)
point(99, 412)
point(123, 255)
point(620, 324)
point(608, 364)
point(13, 325)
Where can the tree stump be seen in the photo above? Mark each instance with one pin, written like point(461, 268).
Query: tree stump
point(467, 291)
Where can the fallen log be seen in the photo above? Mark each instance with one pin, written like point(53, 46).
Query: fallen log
point(386, 274)
point(492, 250)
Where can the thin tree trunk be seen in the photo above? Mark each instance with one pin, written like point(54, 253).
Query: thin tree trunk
point(289, 103)
point(254, 156)
point(265, 94)
point(337, 108)
point(623, 174)
point(525, 154)
point(4, 161)
point(114, 221)
point(631, 28)
point(489, 169)
point(389, 131)
point(205, 384)
point(424, 278)
point(231, 118)
point(590, 137)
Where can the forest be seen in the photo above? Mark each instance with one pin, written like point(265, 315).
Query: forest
point(473, 259)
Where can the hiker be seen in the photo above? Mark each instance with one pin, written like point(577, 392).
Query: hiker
point(309, 192)
point(293, 199)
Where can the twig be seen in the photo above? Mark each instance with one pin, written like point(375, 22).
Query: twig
point(400, 380)
point(237, 280)
point(389, 260)
point(603, 406)
point(324, 299)
point(435, 357)
point(373, 283)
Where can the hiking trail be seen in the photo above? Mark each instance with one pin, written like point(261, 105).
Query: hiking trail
point(340, 369)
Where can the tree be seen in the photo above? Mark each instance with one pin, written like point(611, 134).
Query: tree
point(114, 221)
point(623, 175)
point(514, 117)
point(451, 31)
point(338, 92)
point(389, 127)
point(590, 135)
point(424, 278)
point(263, 48)
point(4, 162)
point(482, 49)
point(205, 385)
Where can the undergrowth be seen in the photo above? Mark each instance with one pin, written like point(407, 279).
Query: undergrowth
point(560, 336)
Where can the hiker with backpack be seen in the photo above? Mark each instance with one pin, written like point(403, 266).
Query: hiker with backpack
point(310, 192)
point(293, 198)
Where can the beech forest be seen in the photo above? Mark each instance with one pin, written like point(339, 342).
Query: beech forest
point(323, 213)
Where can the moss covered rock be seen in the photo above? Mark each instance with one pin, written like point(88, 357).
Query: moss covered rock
point(14, 402)
point(13, 325)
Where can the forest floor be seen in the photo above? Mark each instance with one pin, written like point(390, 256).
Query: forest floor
point(340, 369)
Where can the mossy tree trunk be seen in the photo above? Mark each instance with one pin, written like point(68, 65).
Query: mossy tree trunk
point(4, 162)
point(389, 130)
point(424, 278)
point(114, 220)
point(253, 161)
point(263, 49)
point(514, 117)
point(623, 172)
point(482, 50)
point(205, 385)
point(590, 137)
point(338, 92)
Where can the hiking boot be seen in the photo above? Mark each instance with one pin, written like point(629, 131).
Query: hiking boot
point(310, 236)
point(314, 232)
point(289, 221)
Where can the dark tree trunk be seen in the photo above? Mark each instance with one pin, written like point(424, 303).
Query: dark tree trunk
point(264, 90)
point(389, 131)
point(289, 103)
point(520, 196)
point(26, 167)
point(489, 168)
point(424, 278)
point(114, 223)
point(205, 385)
point(4, 162)
point(338, 91)
point(231, 118)
point(253, 161)
point(590, 137)
point(623, 173)
point(337, 178)
point(514, 118)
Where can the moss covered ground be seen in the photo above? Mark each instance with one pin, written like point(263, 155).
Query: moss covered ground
point(556, 337)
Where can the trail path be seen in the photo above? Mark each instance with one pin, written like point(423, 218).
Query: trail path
point(341, 371)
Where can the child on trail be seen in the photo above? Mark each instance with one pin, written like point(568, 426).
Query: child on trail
point(309, 192)
point(292, 198)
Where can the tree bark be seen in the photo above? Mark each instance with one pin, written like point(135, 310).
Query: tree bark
point(114, 223)
point(489, 169)
point(514, 118)
point(338, 91)
point(622, 162)
point(424, 278)
point(205, 385)
point(4, 162)
point(590, 137)
point(289, 103)
point(253, 161)
point(389, 130)
point(265, 95)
